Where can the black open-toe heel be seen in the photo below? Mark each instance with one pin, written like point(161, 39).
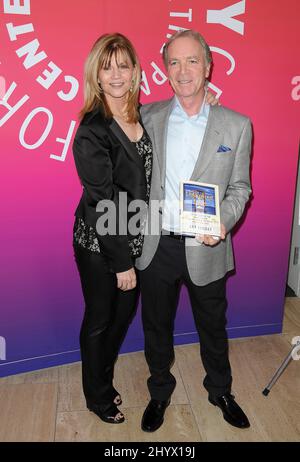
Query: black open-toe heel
point(117, 399)
point(111, 414)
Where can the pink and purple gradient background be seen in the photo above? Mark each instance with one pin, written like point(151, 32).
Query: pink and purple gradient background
point(41, 300)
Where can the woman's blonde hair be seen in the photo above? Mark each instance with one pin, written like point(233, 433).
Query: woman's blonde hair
point(107, 46)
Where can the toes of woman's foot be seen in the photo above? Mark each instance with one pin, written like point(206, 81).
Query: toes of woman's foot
point(118, 400)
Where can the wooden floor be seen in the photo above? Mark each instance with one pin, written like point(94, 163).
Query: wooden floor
point(48, 405)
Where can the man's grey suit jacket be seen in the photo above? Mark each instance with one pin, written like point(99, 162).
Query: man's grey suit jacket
point(229, 170)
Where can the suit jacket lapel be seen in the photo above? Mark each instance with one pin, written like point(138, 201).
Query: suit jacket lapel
point(125, 141)
point(160, 130)
point(211, 141)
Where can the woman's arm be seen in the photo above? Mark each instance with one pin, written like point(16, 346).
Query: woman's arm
point(93, 163)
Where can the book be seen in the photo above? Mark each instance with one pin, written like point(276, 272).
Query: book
point(199, 209)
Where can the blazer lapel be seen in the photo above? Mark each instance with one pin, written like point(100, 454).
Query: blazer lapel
point(211, 141)
point(125, 141)
point(160, 130)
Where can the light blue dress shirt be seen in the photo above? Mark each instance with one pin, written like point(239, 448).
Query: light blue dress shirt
point(184, 139)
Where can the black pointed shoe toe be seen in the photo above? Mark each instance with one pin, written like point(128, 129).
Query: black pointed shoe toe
point(232, 412)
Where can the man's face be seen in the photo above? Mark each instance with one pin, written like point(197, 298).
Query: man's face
point(187, 68)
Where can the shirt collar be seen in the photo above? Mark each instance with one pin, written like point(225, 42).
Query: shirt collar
point(203, 112)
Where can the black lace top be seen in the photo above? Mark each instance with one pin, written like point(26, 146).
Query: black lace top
point(86, 236)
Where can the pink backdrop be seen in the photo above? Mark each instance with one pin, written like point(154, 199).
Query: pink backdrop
point(255, 48)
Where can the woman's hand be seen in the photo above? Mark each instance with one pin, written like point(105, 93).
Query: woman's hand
point(126, 280)
point(212, 99)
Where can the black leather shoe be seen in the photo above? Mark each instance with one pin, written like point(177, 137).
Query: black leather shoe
point(232, 412)
point(154, 415)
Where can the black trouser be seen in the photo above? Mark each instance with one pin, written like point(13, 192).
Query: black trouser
point(108, 313)
point(160, 285)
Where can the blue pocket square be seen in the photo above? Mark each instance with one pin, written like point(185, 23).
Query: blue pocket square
point(223, 148)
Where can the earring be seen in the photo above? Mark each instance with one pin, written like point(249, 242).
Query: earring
point(132, 85)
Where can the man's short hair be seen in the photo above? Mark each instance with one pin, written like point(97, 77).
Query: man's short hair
point(192, 34)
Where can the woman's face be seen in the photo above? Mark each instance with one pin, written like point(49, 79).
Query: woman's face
point(116, 79)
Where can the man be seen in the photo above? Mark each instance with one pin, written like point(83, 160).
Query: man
point(191, 140)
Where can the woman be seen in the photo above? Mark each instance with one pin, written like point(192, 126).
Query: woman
point(113, 154)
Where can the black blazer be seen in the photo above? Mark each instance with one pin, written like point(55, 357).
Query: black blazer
point(107, 163)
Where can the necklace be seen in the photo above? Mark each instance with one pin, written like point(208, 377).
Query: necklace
point(131, 129)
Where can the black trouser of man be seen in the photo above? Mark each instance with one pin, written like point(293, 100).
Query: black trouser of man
point(108, 313)
point(160, 285)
